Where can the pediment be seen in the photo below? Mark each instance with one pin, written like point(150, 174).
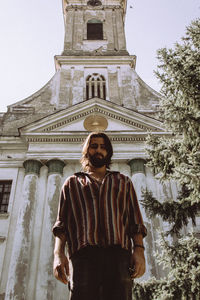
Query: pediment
point(72, 120)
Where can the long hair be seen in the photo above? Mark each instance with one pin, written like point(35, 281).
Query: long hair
point(84, 159)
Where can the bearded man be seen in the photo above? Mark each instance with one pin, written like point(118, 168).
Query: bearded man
point(100, 221)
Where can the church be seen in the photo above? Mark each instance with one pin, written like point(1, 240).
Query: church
point(95, 88)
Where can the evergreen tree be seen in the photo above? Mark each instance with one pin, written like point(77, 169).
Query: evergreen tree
point(177, 157)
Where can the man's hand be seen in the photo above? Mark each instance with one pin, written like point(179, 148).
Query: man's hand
point(61, 268)
point(138, 262)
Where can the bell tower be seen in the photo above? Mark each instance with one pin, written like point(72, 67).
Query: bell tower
point(94, 27)
point(95, 62)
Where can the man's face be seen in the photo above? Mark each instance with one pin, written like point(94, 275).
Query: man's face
point(97, 153)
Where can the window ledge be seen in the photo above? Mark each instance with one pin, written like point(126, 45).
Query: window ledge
point(103, 40)
point(91, 45)
point(2, 239)
point(4, 215)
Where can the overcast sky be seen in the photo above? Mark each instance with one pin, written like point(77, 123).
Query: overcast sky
point(32, 32)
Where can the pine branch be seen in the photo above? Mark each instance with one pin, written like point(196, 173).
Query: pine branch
point(178, 214)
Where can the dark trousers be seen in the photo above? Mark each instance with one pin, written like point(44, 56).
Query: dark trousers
point(101, 274)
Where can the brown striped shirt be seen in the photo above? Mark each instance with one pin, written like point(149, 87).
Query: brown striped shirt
point(102, 214)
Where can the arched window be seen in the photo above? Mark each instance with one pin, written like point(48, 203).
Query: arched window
point(95, 86)
point(94, 30)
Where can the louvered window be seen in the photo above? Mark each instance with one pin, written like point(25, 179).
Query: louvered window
point(94, 30)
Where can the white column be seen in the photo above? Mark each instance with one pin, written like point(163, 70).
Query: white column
point(20, 259)
point(37, 233)
point(95, 88)
point(46, 283)
point(139, 182)
point(101, 90)
point(139, 179)
point(156, 223)
point(90, 87)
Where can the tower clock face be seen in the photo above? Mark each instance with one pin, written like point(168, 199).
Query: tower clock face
point(94, 3)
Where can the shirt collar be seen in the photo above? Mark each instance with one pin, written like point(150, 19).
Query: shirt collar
point(108, 173)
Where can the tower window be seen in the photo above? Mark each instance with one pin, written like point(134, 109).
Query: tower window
point(5, 188)
point(94, 30)
point(95, 86)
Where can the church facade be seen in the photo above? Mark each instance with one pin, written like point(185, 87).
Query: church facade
point(95, 88)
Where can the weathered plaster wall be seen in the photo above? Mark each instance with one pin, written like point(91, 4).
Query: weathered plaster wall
point(8, 223)
point(68, 87)
point(76, 18)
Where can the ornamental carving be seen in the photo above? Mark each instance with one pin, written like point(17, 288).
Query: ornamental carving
point(81, 139)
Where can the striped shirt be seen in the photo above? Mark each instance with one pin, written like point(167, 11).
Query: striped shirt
point(99, 214)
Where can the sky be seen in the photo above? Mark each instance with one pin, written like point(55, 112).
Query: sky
point(32, 33)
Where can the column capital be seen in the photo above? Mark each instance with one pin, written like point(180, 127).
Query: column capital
point(55, 166)
point(137, 165)
point(32, 166)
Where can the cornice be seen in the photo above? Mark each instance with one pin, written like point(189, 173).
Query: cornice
point(66, 3)
point(88, 7)
point(12, 163)
point(80, 138)
point(11, 143)
point(95, 60)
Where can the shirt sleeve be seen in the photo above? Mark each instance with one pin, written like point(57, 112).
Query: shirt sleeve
point(136, 220)
point(60, 225)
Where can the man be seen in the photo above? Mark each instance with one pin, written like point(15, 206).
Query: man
point(100, 220)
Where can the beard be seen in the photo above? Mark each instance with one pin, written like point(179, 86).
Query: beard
point(97, 160)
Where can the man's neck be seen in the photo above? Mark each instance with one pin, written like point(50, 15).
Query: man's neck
point(98, 172)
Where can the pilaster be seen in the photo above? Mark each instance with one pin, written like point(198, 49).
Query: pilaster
point(139, 182)
point(19, 264)
point(120, 29)
point(138, 176)
point(45, 279)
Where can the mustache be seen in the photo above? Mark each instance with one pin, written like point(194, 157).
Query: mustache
point(98, 154)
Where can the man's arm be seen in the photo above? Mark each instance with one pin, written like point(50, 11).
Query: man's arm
point(138, 258)
point(138, 232)
point(61, 263)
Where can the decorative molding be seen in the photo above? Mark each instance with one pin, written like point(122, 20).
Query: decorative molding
point(95, 123)
point(11, 164)
point(81, 139)
point(32, 166)
point(22, 109)
point(103, 112)
point(89, 7)
point(69, 120)
point(94, 60)
point(137, 165)
point(55, 166)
